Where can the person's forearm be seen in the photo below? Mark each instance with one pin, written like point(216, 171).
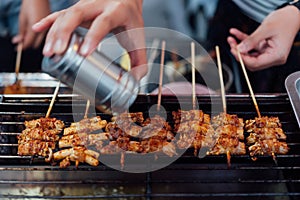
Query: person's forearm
point(297, 13)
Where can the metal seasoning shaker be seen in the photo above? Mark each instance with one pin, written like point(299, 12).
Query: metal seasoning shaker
point(95, 77)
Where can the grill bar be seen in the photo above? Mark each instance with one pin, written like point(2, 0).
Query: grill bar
point(173, 195)
point(188, 177)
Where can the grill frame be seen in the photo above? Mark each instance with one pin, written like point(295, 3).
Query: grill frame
point(188, 177)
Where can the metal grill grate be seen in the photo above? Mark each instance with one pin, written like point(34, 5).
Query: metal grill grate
point(189, 177)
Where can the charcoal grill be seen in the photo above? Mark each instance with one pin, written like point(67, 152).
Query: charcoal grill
point(188, 177)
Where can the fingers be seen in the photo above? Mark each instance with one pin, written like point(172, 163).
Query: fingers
point(99, 28)
point(114, 16)
point(38, 41)
point(260, 62)
point(60, 32)
point(64, 23)
point(233, 46)
point(17, 39)
point(46, 22)
point(238, 34)
point(138, 61)
point(250, 60)
point(29, 39)
point(254, 41)
point(232, 42)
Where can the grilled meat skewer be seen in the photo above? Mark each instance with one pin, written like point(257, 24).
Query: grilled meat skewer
point(86, 125)
point(266, 137)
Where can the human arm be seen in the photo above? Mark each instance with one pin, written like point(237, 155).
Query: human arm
point(31, 12)
point(271, 42)
point(101, 17)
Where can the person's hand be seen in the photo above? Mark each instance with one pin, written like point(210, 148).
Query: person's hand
point(101, 17)
point(31, 12)
point(271, 42)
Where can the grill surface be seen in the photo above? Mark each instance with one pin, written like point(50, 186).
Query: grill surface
point(188, 177)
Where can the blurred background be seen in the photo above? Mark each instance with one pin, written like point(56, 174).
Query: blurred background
point(205, 21)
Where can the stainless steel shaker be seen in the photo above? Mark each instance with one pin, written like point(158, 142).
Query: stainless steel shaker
point(95, 77)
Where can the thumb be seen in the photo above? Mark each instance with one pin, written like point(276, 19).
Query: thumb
point(253, 41)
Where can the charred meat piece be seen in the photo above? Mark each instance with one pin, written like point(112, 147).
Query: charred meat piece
point(197, 135)
point(265, 134)
point(194, 129)
point(229, 135)
point(188, 116)
point(35, 148)
point(268, 147)
point(227, 119)
point(191, 115)
point(111, 148)
point(230, 131)
point(263, 122)
point(77, 155)
point(227, 144)
point(40, 137)
point(38, 134)
point(131, 133)
point(86, 125)
point(45, 124)
point(136, 117)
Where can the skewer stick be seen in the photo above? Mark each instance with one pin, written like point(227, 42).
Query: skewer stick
point(253, 97)
point(18, 60)
point(248, 82)
point(122, 160)
point(163, 46)
point(274, 158)
point(221, 79)
point(193, 75)
point(53, 99)
point(88, 103)
point(228, 155)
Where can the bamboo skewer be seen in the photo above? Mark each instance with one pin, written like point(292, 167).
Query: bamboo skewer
point(193, 75)
point(53, 99)
point(88, 103)
point(252, 94)
point(248, 83)
point(16, 88)
point(18, 60)
point(163, 46)
point(221, 79)
point(228, 155)
point(49, 111)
